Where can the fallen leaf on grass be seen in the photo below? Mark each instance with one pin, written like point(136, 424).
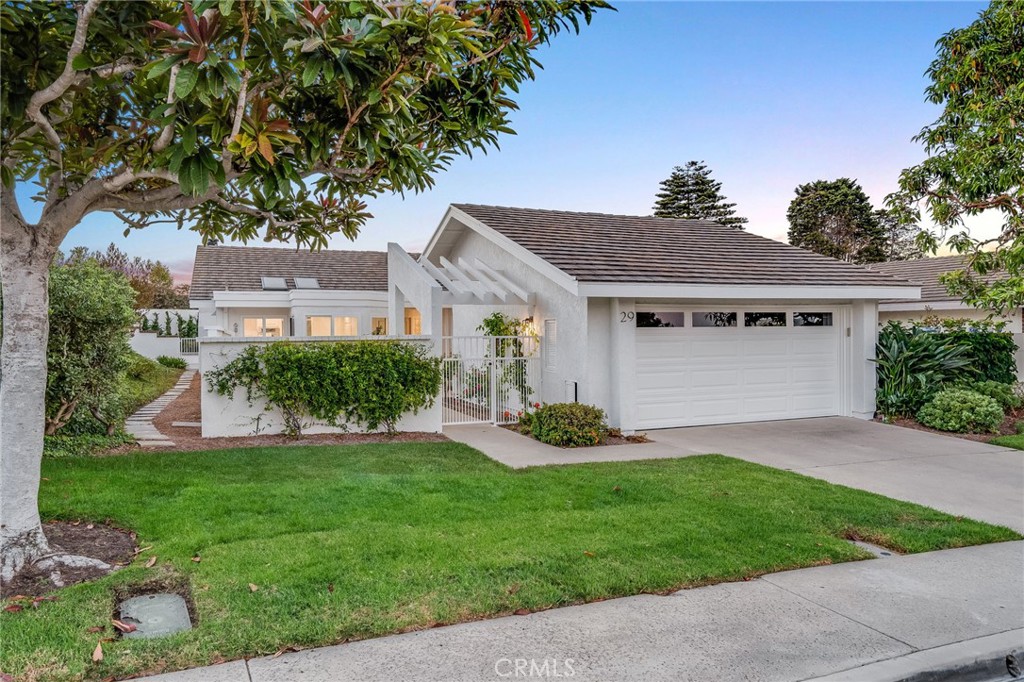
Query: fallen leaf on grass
point(586, 553)
point(522, 612)
point(13, 608)
point(97, 654)
point(89, 526)
point(152, 562)
point(197, 558)
point(285, 650)
point(122, 626)
point(253, 587)
point(95, 628)
point(330, 587)
point(140, 550)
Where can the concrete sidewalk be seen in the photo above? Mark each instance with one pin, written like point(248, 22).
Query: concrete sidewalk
point(785, 626)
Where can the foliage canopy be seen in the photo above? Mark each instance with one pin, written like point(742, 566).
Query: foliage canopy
point(691, 193)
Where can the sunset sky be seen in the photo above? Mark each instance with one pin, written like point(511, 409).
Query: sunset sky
point(770, 95)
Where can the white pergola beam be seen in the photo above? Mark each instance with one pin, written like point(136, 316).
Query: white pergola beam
point(443, 278)
point(494, 288)
point(502, 280)
point(462, 278)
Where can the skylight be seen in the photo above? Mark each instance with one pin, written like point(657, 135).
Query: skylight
point(274, 283)
point(306, 283)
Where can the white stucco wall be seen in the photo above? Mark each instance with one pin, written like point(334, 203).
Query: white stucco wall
point(149, 345)
point(552, 302)
point(234, 416)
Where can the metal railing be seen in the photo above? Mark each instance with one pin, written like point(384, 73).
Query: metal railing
point(489, 379)
point(188, 346)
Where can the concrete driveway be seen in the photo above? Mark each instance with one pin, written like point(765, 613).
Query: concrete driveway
point(958, 476)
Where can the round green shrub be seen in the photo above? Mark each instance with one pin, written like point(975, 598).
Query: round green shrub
point(568, 425)
point(1004, 394)
point(961, 411)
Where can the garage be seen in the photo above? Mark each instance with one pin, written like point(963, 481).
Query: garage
point(725, 364)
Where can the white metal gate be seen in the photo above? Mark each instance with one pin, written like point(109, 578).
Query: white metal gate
point(489, 379)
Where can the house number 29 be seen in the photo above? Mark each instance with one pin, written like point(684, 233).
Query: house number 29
point(627, 317)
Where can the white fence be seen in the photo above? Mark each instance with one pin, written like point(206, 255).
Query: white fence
point(188, 346)
point(488, 379)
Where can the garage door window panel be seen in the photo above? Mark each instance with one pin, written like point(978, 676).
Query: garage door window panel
point(660, 319)
point(809, 319)
point(714, 318)
point(767, 319)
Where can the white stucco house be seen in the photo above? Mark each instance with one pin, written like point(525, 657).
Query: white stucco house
point(659, 322)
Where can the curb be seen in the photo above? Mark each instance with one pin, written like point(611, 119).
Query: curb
point(975, 660)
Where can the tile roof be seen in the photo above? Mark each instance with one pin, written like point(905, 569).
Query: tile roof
point(924, 271)
point(597, 247)
point(239, 268)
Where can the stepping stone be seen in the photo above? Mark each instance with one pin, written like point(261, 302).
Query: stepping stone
point(188, 425)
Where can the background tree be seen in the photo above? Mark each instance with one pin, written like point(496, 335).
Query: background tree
point(152, 281)
point(835, 218)
point(91, 316)
point(975, 153)
point(900, 239)
point(690, 192)
point(245, 119)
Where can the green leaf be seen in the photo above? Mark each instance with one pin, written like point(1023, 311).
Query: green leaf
point(188, 139)
point(200, 178)
point(161, 67)
point(188, 76)
point(310, 73)
point(81, 62)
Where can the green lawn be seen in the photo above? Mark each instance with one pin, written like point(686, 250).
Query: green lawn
point(1009, 442)
point(359, 541)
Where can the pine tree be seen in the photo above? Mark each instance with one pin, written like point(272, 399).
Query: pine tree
point(835, 218)
point(691, 193)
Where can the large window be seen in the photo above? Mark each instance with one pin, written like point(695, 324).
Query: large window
point(379, 326)
point(812, 319)
point(263, 326)
point(714, 319)
point(321, 325)
point(661, 319)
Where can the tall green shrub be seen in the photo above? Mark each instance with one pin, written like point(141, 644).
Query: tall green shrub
point(912, 364)
point(370, 383)
point(92, 311)
point(989, 346)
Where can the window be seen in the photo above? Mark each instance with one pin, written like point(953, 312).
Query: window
point(714, 319)
point(660, 319)
point(318, 325)
point(274, 283)
point(812, 319)
point(412, 322)
point(263, 326)
point(379, 326)
point(346, 326)
point(764, 319)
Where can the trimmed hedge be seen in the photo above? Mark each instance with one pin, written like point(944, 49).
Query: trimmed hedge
point(566, 424)
point(961, 411)
point(1004, 394)
point(370, 383)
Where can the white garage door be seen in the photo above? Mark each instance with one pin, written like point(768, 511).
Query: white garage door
point(729, 364)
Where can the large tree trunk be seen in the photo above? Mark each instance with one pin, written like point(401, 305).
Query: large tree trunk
point(25, 256)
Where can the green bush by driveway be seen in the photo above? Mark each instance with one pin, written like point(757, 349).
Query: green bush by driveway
point(360, 541)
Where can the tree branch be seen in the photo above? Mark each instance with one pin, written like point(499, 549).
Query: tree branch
point(34, 110)
point(167, 134)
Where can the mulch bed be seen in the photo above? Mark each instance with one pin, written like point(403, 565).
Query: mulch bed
point(186, 408)
point(613, 438)
point(95, 540)
point(1007, 428)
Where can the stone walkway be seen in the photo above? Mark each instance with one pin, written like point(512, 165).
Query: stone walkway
point(140, 425)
